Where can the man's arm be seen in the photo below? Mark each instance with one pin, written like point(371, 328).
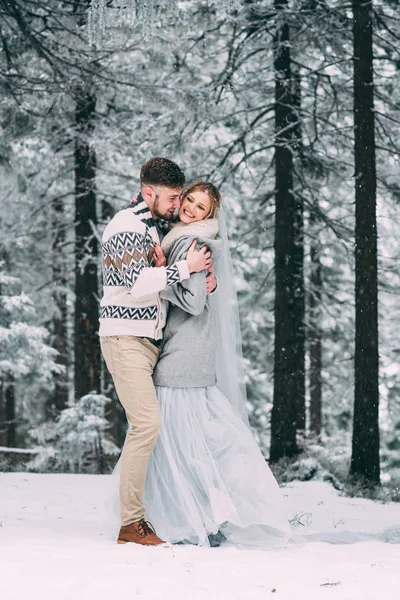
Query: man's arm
point(131, 262)
point(142, 281)
point(189, 295)
point(211, 279)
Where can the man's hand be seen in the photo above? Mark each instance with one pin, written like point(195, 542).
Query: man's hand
point(211, 281)
point(198, 260)
point(159, 256)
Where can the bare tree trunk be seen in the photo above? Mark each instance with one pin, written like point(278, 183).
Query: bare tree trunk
point(7, 412)
point(86, 343)
point(299, 303)
point(365, 447)
point(9, 398)
point(3, 421)
point(284, 410)
point(59, 325)
point(7, 386)
point(314, 330)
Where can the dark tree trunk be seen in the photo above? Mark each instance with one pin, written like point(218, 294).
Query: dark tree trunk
point(284, 410)
point(365, 447)
point(86, 343)
point(314, 330)
point(7, 412)
point(59, 325)
point(7, 386)
point(3, 419)
point(299, 300)
point(9, 398)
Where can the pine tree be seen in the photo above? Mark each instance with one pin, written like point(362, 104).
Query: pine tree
point(24, 354)
point(78, 441)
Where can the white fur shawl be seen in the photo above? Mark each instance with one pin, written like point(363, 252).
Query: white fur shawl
point(204, 230)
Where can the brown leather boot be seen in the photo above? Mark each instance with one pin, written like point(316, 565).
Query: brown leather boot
point(140, 532)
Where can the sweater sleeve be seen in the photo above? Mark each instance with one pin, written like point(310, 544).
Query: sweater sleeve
point(141, 280)
point(189, 295)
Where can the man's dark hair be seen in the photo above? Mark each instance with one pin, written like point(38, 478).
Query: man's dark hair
point(162, 171)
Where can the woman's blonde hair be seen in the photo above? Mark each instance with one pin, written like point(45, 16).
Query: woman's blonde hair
point(210, 189)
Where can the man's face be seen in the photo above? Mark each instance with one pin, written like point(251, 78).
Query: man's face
point(166, 202)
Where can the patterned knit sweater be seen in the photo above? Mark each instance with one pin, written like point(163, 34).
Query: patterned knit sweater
point(131, 303)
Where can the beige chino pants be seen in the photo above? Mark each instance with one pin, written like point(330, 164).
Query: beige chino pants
point(131, 361)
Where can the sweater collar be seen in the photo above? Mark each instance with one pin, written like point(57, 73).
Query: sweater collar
point(141, 209)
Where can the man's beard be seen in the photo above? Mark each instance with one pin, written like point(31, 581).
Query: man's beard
point(167, 216)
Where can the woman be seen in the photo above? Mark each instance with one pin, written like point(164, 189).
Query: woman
point(207, 480)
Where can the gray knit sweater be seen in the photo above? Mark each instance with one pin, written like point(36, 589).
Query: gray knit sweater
point(187, 356)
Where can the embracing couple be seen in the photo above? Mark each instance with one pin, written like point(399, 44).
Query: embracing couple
point(190, 464)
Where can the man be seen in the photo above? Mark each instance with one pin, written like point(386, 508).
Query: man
point(132, 317)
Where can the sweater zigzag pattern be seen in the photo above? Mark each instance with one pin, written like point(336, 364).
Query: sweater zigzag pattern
point(125, 312)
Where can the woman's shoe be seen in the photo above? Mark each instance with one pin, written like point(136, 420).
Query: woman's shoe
point(216, 539)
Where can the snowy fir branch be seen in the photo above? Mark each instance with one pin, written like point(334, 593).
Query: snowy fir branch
point(145, 14)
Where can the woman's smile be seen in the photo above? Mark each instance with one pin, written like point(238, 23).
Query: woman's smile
point(196, 206)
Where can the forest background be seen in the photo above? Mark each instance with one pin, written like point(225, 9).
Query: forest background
point(293, 108)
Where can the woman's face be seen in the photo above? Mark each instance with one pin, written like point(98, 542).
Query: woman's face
point(195, 206)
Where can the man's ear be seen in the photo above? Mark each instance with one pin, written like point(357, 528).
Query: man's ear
point(148, 192)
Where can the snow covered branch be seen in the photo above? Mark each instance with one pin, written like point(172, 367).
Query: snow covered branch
point(145, 13)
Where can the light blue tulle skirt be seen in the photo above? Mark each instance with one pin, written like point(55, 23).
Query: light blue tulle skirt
point(207, 480)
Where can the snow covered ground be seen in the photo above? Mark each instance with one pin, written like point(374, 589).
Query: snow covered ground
point(55, 543)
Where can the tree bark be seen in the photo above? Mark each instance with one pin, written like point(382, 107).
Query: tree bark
point(299, 301)
point(314, 330)
point(8, 427)
point(59, 325)
point(284, 410)
point(9, 400)
point(86, 343)
point(365, 446)
point(7, 412)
